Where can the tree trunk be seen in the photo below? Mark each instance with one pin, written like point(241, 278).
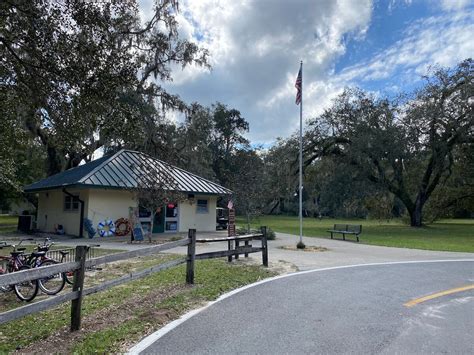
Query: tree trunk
point(415, 217)
point(416, 213)
point(150, 235)
point(248, 221)
point(54, 162)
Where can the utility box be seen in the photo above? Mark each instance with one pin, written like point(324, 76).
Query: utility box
point(26, 223)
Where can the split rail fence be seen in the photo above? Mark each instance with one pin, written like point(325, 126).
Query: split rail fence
point(80, 264)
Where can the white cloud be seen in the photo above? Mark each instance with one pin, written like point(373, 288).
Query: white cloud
point(450, 5)
point(444, 40)
point(255, 49)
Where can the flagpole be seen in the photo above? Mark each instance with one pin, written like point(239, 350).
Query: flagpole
point(301, 159)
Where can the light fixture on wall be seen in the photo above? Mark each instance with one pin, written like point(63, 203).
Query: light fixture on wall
point(191, 198)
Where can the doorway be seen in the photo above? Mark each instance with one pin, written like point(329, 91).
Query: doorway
point(171, 220)
point(159, 221)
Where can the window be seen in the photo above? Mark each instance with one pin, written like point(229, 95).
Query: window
point(171, 210)
point(202, 206)
point(171, 226)
point(71, 203)
point(143, 212)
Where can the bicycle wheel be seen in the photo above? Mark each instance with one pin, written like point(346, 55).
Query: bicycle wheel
point(69, 277)
point(6, 288)
point(27, 290)
point(53, 284)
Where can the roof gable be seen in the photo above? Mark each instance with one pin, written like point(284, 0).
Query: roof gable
point(119, 171)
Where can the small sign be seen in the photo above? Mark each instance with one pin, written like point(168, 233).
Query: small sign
point(231, 225)
point(137, 230)
point(232, 216)
point(137, 233)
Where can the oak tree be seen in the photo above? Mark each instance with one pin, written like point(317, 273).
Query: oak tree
point(407, 146)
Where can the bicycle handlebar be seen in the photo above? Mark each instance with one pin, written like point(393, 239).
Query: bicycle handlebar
point(17, 245)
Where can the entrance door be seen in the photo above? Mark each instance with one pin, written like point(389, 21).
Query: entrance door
point(159, 221)
point(171, 221)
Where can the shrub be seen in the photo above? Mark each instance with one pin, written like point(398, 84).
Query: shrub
point(271, 234)
point(242, 231)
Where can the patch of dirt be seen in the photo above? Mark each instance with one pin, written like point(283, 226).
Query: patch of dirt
point(279, 267)
point(309, 248)
point(63, 340)
point(282, 267)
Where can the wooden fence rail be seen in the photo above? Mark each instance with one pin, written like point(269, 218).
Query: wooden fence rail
point(79, 267)
point(237, 250)
point(36, 273)
point(80, 264)
point(136, 253)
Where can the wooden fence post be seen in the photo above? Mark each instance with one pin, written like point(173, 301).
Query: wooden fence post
point(191, 256)
point(230, 246)
point(237, 245)
point(264, 246)
point(78, 285)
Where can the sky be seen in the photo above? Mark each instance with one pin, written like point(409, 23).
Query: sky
point(255, 46)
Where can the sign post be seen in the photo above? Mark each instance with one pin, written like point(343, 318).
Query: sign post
point(231, 231)
point(231, 225)
point(137, 230)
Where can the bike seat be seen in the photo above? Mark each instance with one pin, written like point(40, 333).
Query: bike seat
point(20, 249)
point(38, 254)
point(43, 248)
point(16, 253)
point(63, 253)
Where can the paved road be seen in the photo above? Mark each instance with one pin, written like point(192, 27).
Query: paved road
point(357, 310)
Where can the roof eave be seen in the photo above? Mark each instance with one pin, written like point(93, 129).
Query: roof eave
point(91, 186)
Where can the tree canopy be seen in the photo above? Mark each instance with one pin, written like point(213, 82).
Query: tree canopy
point(407, 146)
point(78, 75)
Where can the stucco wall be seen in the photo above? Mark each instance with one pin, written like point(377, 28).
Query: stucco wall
point(190, 219)
point(108, 204)
point(51, 211)
point(103, 204)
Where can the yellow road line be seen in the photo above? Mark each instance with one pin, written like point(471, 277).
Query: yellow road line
point(438, 294)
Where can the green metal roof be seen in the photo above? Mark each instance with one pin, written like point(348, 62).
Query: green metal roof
point(118, 171)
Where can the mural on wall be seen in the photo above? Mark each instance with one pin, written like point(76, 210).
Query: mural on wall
point(89, 228)
point(106, 228)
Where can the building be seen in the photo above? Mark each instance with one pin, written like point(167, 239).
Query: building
point(103, 190)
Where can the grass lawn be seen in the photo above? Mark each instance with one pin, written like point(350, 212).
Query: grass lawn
point(116, 319)
point(447, 235)
point(8, 223)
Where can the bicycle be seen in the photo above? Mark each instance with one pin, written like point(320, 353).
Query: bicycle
point(70, 274)
point(52, 284)
point(27, 290)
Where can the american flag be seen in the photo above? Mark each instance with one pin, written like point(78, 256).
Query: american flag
point(298, 88)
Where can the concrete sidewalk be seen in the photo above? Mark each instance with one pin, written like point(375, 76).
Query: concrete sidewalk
point(349, 253)
point(339, 252)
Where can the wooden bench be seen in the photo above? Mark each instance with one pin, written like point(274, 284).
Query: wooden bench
point(352, 229)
